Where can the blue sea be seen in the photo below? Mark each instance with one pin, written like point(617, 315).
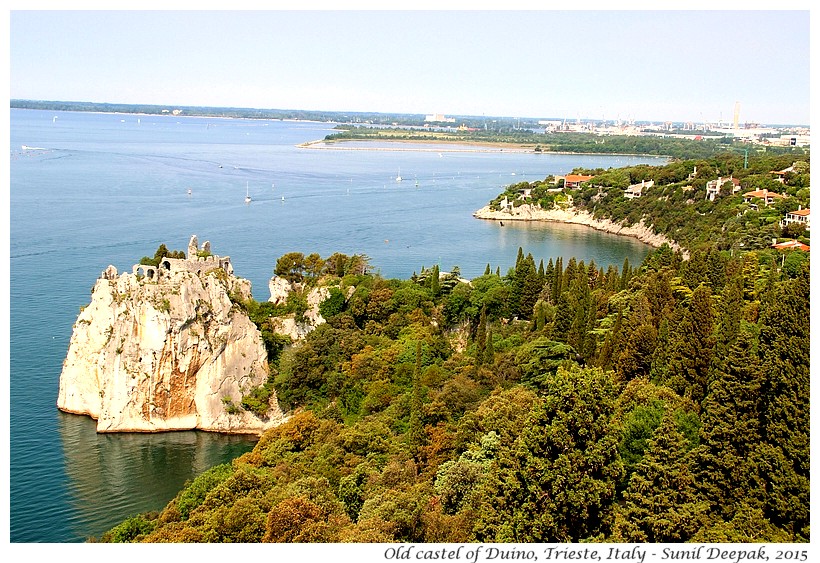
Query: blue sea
point(88, 190)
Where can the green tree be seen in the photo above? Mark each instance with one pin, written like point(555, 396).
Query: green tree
point(730, 431)
point(661, 503)
point(291, 266)
point(557, 482)
point(691, 347)
point(785, 421)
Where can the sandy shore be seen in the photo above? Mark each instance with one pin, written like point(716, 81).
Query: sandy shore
point(407, 145)
point(528, 212)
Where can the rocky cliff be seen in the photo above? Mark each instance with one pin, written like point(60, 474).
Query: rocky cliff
point(164, 348)
point(529, 212)
point(280, 290)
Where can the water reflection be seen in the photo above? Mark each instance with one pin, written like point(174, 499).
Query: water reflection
point(114, 476)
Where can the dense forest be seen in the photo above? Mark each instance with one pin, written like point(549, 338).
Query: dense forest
point(666, 401)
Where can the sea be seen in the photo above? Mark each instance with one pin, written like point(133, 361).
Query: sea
point(92, 189)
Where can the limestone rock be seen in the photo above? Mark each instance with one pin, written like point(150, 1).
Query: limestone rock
point(167, 352)
point(288, 325)
point(530, 212)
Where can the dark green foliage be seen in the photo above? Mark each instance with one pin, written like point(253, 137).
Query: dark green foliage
point(661, 502)
point(333, 305)
point(557, 483)
point(691, 347)
point(421, 417)
point(785, 421)
point(162, 252)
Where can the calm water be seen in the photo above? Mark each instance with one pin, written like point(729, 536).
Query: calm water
point(99, 189)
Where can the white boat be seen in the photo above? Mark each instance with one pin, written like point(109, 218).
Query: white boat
point(398, 178)
point(247, 194)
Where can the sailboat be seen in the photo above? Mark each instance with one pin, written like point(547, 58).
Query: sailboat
point(398, 178)
point(247, 195)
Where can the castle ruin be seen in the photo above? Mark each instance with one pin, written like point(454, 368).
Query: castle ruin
point(198, 261)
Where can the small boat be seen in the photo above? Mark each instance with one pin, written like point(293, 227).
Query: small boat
point(190, 192)
point(247, 194)
point(398, 178)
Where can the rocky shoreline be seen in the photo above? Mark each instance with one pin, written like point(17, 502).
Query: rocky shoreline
point(528, 212)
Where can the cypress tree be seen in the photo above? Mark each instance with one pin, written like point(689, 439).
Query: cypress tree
point(558, 281)
point(415, 434)
point(661, 504)
point(635, 345)
point(785, 421)
point(489, 353)
point(435, 282)
point(692, 346)
point(557, 482)
point(730, 431)
point(481, 338)
point(626, 274)
point(487, 270)
point(549, 279)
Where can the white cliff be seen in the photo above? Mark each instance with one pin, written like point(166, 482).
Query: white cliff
point(530, 212)
point(280, 290)
point(164, 348)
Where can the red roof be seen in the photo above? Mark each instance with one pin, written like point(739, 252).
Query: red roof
point(763, 193)
point(791, 245)
point(577, 178)
point(800, 212)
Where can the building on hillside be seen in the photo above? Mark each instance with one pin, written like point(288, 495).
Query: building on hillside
point(525, 194)
point(767, 196)
point(790, 245)
point(572, 181)
point(636, 190)
point(713, 187)
point(801, 216)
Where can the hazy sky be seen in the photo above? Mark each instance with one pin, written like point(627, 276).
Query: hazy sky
point(652, 65)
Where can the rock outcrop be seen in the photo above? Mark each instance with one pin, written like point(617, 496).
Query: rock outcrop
point(165, 348)
point(530, 212)
point(280, 290)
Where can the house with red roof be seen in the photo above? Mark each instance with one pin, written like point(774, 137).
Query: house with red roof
point(791, 245)
point(575, 180)
point(764, 194)
point(801, 216)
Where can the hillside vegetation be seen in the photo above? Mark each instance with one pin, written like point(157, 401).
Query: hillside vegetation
point(663, 402)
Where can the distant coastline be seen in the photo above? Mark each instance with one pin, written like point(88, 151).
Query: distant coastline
point(440, 146)
point(447, 146)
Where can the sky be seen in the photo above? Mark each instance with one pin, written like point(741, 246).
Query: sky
point(655, 65)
